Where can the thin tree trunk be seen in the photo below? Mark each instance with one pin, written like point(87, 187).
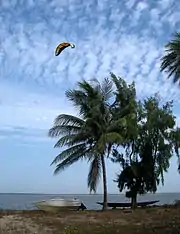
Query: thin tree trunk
point(134, 202)
point(104, 183)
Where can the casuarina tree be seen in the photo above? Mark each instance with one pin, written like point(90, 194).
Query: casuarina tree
point(145, 158)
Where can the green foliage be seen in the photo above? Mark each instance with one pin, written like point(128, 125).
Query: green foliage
point(174, 137)
point(124, 107)
point(111, 119)
point(93, 133)
point(170, 62)
point(146, 156)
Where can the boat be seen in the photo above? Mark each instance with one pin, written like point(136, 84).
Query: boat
point(115, 205)
point(56, 205)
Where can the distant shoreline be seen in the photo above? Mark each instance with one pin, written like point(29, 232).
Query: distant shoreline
point(84, 194)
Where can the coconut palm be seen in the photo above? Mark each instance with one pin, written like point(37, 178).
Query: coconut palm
point(170, 62)
point(89, 136)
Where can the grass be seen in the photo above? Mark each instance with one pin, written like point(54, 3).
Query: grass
point(161, 220)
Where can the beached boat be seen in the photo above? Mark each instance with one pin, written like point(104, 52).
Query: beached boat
point(56, 205)
point(115, 205)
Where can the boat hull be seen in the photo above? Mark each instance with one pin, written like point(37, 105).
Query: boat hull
point(57, 205)
point(128, 204)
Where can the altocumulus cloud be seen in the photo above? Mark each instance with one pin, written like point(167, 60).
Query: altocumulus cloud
point(125, 37)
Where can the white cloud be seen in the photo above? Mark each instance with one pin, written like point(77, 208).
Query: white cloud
point(141, 6)
point(32, 110)
point(124, 38)
point(130, 3)
point(165, 4)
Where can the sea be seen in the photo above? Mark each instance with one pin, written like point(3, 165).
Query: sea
point(24, 201)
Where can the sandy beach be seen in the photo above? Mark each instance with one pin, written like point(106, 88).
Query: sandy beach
point(164, 219)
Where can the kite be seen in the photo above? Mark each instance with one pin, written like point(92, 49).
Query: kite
point(63, 46)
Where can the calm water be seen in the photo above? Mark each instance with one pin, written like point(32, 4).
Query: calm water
point(25, 201)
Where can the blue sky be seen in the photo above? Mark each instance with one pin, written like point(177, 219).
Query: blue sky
point(125, 37)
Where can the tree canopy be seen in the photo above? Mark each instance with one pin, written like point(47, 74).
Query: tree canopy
point(146, 156)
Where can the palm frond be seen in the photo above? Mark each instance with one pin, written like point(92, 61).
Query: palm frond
point(86, 87)
point(66, 163)
point(59, 130)
point(65, 124)
point(107, 89)
point(86, 98)
point(115, 81)
point(65, 119)
point(94, 173)
point(79, 100)
point(79, 154)
point(170, 62)
point(74, 150)
point(73, 139)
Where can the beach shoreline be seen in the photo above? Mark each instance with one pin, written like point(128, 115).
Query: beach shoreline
point(164, 219)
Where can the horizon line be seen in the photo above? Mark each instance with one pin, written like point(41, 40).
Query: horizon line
point(87, 194)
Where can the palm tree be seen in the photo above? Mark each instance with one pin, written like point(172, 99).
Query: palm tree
point(89, 136)
point(170, 62)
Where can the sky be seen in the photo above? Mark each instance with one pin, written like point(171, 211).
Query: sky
point(125, 37)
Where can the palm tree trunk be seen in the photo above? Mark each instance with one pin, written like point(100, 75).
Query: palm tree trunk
point(104, 183)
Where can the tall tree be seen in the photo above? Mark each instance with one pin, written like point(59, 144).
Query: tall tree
point(89, 136)
point(175, 140)
point(124, 108)
point(146, 157)
point(170, 62)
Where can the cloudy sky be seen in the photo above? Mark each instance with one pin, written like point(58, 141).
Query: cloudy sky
point(125, 37)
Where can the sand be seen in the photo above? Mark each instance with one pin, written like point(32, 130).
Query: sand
point(161, 220)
